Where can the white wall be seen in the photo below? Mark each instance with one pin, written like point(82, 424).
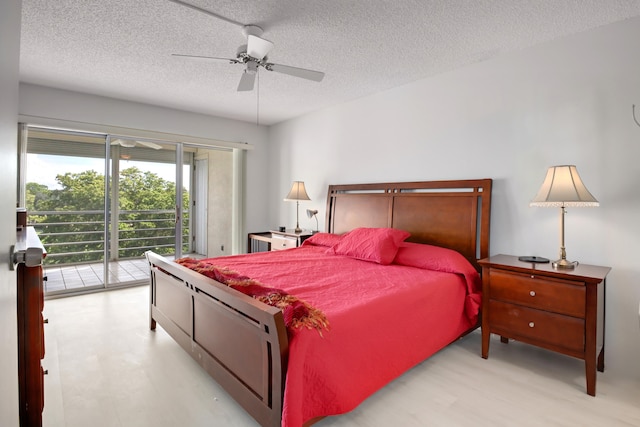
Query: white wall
point(9, 64)
point(40, 101)
point(220, 194)
point(509, 118)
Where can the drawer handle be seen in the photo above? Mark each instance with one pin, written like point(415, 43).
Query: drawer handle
point(532, 293)
point(45, 320)
point(531, 324)
point(45, 372)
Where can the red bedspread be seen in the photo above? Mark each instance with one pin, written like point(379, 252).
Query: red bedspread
point(384, 319)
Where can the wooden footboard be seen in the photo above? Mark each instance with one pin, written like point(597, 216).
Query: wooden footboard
point(242, 343)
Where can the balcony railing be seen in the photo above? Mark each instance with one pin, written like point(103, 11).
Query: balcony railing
point(73, 237)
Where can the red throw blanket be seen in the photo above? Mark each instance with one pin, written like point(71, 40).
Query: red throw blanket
point(297, 313)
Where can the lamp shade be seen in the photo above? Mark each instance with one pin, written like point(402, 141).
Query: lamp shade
point(563, 187)
point(297, 192)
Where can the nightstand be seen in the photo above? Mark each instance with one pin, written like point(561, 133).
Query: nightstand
point(560, 310)
point(276, 240)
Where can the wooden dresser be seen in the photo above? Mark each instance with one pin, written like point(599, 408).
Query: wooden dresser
point(28, 253)
point(560, 310)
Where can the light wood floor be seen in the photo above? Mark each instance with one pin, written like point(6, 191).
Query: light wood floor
point(106, 368)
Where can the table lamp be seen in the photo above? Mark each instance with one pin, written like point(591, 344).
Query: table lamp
point(297, 193)
point(311, 213)
point(563, 187)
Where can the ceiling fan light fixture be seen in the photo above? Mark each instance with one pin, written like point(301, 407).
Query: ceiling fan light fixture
point(258, 47)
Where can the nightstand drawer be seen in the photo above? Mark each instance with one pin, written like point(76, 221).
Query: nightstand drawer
point(565, 297)
point(282, 242)
point(560, 310)
point(539, 326)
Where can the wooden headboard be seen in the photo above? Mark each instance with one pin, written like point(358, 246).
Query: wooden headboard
point(453, 214)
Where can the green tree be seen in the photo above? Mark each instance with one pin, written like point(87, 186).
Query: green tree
point(70, 220)
point(139, 193)
point(80, 191)
point(36, 195)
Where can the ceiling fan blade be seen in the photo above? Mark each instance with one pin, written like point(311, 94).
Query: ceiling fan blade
point(231, 60)
point(247, 81)
point(150, 144)
point(128, 143)
point(258, 47)
point(124, 143)
point(316, 76)
point(215, 15)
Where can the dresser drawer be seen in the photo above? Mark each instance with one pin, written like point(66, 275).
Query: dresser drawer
point(521, 323)
point(565, 297)
point(282, 242)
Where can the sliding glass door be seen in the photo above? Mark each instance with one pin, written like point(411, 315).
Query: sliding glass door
point(148, 205)
point(99, 202)
point(64, 184)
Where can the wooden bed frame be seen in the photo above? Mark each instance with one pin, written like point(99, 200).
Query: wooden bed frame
point(242, 343)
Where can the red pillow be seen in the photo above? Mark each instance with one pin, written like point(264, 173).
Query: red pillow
point(437, 258)
point(323, 239)
point(371, 244)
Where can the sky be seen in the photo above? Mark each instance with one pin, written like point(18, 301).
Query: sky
point(43, 168)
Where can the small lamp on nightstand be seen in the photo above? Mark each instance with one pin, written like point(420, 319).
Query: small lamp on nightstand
point(563, 187)
point(297, 193)
point(313, 213)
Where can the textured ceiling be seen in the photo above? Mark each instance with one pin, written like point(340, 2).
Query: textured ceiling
point(122, 48)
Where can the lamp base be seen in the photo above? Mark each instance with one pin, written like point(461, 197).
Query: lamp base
point(297, 230)
point(563, 264)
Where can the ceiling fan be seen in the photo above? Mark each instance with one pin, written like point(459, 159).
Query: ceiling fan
point(129, 143)
point(253, 55)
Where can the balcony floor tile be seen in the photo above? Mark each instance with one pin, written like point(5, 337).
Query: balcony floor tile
point(68, 279)
point(75, 277)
